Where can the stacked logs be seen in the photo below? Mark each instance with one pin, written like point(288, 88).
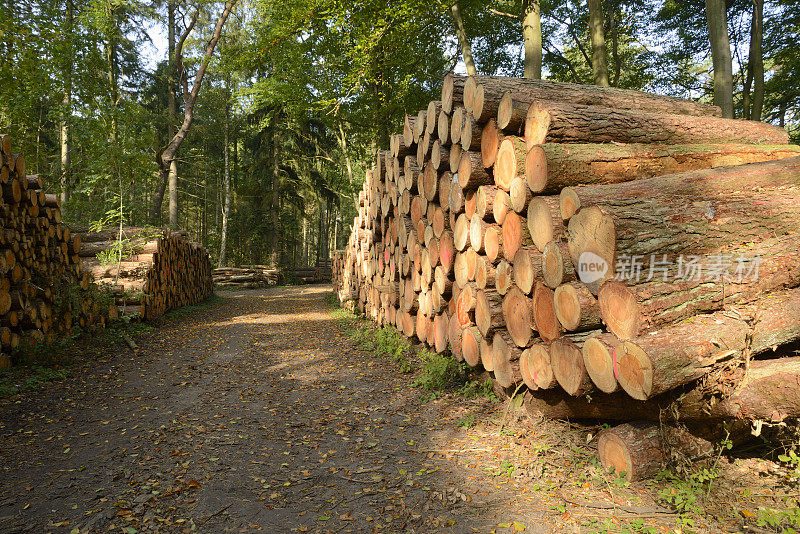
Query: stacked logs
point(509, 218)
point(246, 277)
point(43, 291)
point(148, 271)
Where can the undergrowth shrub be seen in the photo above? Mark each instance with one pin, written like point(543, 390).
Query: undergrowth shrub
point(440, 371)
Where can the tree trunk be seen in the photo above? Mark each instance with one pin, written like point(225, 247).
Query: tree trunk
point(276, 192)
point(227, 189)
point(720, 55)
point(466, 48)
point(565, 165)
point(532, 38)
point(617, 219)
point(168, 154)
point(756, 60)
point(529, 91)
point(596, 33)
point(658, 362)
point(66, 117)
point(575, 123)
point(173, 193)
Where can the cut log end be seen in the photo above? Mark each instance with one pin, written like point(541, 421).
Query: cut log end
point(536, 169)
point(505, 360)
point(600, 358)
point(471, 340)
point(569, 202)
point(537, 124)
point(490, 143)
point(526, 369)
point(635, 371)
point(619, 309)
point(540, 223)
point(568, 367)
point(517, 313)
point(633, 449)
point(555, 266)
point(508, 162)
point(544, 315)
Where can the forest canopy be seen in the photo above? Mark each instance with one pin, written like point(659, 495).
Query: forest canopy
point(251, 123)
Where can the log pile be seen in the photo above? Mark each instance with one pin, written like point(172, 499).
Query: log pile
point(148, 271)
point(259, 276)
point(611, 250)
point(246, 277)
point(43, 291)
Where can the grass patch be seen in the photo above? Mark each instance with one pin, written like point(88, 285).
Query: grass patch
point(23, 378)
point(440, 372)
point(437, 372)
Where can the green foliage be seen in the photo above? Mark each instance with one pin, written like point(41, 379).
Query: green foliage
point(505, 468)
point(18, 379)
point(479, 388)
point(468, 421)
point(440, 372)
point(785, 520)
point(792, 462)
point(685, 493)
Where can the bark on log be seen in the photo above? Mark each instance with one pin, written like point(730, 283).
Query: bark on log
point(677, 355)
point(527, 91)
point(576, 164)
point(697, 211)
point(671, 293)
point(575, 123)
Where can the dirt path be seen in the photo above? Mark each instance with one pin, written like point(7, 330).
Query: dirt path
point(259, 414)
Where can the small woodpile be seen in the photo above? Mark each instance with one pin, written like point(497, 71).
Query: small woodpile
point(247, 277)
point(616, 252)
point(149, 271)
point(43, 291)
point(319, 272)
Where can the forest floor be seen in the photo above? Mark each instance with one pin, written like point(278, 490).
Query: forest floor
point(261, 413)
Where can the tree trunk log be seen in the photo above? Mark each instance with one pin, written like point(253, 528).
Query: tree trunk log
point(603, 163)
point(575, 123)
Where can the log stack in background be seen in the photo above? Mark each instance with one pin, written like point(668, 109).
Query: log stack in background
point(260, 276)
point(158, 270)
point(43, 291)
point(472, 227)
point(246, 277)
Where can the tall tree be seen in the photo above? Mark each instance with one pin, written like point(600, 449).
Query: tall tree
point(466, 48)
point(597, 35)
point(720, 55)
point(66, 111)
point(172, 111)
point(226, 179)
point(167, 154)
point(532, 38)
point(755, 66)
